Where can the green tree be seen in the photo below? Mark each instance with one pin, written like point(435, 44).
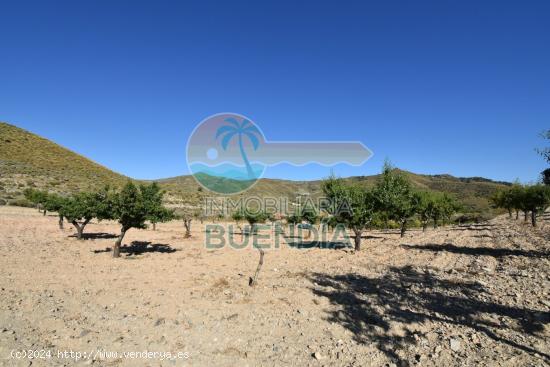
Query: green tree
point(55, 203)
point(395, 196)
point(503, 199)
point(81, 208)
point(449, 206)
point(153, 194)
point(424, 202)
point(37, 197)
point(132, 206)
point(537, 200)
point(351, 205)
point(515, 197)
point(253, 217)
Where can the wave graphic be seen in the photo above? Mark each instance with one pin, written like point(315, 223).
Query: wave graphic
point(228, 170)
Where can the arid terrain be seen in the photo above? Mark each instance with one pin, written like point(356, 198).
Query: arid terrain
point(475, 295)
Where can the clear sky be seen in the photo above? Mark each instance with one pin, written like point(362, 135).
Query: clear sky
point(459, 87)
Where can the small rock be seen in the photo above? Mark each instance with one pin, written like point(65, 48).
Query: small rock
point(455, 344)
point(83, 333)
point(318, 356)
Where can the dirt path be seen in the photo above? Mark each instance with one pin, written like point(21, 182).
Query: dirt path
point(458, 296)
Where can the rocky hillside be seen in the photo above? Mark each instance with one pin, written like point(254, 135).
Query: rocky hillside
point(28, 160)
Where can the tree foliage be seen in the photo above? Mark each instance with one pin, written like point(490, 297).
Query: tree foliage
point(81, 208)
point(534, 199)
point(134, 205)
point(350, 204)
point(395, 196)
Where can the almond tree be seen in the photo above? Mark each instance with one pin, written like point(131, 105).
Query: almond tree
point(37, 197)
point(156, 213)
point(190, 208)
point(351, 205)
point(424, 204)
point(537, 200)
point(132, 206)
point(81, 208)
point(395, 196)
point(55, 203)
point(253, 218)
point(449, 206)
point(498, 200)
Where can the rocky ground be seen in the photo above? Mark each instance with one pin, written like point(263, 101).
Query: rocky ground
point(474, 295)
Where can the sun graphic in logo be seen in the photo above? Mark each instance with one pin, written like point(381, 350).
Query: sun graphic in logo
point(222, 153)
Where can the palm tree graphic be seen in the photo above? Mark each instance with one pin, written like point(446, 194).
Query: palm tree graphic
point(245, 128)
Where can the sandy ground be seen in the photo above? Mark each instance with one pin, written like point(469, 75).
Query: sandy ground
point(458, 296)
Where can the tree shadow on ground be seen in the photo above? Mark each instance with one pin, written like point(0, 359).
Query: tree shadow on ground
point(96, 236)
point(482, 236)
point(476, 251)
point(371, 308)
point(331, 245)
point(141, 247)
point(472, 227)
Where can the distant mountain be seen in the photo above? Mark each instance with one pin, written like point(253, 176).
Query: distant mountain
point(28, 160)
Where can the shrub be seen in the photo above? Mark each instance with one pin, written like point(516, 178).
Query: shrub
point(21, 202)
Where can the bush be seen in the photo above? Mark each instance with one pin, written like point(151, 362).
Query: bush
point(21, 202)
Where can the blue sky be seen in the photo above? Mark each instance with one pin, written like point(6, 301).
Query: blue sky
point(459, 87)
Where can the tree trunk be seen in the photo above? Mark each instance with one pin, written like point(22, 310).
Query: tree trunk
point(357, 239)
point(252, 281)
point(44, 213)
point(517, 214)
point(435, 223)
point(60, 222)
point(187, 225)
point(534, 218)
point(403, 228)
point(510, 213)
point(154, 226)
point(424, 226)
point(116, 249)
point(79, 229)
point(525, 216)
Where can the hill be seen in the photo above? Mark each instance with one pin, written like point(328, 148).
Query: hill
point(28, 160)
